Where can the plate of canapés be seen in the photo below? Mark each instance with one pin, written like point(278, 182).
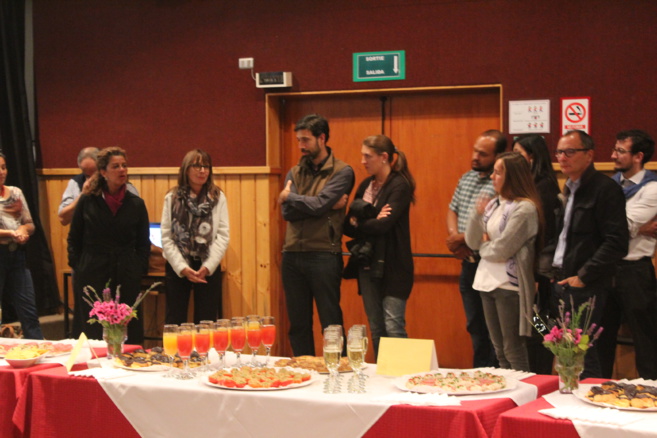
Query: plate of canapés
point(313, 363)
point(247, 378)
point(52, 349)
point(455, 382)
point(619, 395)
point(153, 360)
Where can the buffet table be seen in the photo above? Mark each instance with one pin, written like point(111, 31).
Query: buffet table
point(52, 401)
point(584, 420)
point(12, 382)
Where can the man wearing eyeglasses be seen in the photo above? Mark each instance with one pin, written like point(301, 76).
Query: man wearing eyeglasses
point(633, 298)
point(592, 234)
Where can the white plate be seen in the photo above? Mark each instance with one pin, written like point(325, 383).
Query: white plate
point(400, 383)
point(151, 368)
point(313, 378)
point(584, 388)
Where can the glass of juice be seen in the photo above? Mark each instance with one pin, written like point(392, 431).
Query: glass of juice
point(185, 346)
point(237, 338)
point(220, 339)
point(253, 336)
point(202, 340)
point(268, 335)
point(170, 345)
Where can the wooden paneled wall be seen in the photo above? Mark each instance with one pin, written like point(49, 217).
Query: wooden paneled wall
point(251, 265)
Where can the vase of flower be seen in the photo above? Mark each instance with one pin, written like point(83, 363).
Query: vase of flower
point(569, 370)
point(115, 336)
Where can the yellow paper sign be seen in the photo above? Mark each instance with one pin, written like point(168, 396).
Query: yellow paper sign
point(400, 356)
point(76, 350)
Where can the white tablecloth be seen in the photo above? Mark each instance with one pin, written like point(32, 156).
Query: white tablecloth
point(144, 396)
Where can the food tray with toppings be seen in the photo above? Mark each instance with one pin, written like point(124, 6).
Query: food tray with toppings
point(619, 395)
point(51, 349)
point(153, 360)
point(313, 363)
point(455, 383)
point(248, 378)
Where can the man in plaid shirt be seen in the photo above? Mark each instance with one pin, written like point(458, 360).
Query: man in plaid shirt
point(473, 184)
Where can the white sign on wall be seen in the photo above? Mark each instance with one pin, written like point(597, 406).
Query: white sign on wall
point(575, 114)
point(529, 116)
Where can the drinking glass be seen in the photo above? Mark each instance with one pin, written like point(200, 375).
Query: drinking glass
point(362, 328)
point(356, 355)
point(237, 338)
point(220, 339)
point(268, 335)
point(253, 336)
point(332, 353)
point(170, 346)
point(202, 335)
point(185, 346)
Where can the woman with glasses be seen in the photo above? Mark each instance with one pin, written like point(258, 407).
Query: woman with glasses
point(195, 236)
point(534, 149)
point(504, 230)
point(108, 240)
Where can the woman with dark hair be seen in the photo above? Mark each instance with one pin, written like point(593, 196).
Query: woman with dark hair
point(535, 151)
point(195, 236)
point(385, 277)
point(108, 240)
point(16, 227)
point(504, 230)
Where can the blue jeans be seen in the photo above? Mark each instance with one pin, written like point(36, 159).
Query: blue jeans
point(309, 276)
point(484, 353)
point(17, 281)
point(385, 314)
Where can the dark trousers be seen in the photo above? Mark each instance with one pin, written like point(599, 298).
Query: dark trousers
point(634, 300)
point(484, 353)
point(207, 296)
point(16, 281)
point(580, 295)
point(309, 276)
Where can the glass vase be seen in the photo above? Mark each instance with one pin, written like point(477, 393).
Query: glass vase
point(115, 336)
point(569, 370)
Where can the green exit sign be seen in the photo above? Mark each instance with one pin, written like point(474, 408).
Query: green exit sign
point(380, 66)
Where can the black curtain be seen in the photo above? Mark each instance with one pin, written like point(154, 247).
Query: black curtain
point(17, 144)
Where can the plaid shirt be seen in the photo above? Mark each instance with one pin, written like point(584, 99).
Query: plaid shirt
point(466, 194)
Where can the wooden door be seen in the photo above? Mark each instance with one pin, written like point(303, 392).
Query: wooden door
point(436, 129)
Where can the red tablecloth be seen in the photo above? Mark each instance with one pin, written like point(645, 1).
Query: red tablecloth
point(11, 386)
point(525, 421)
point(79, 401)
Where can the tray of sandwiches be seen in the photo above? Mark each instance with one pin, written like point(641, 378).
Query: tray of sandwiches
point(621, 395)
point(313, 363)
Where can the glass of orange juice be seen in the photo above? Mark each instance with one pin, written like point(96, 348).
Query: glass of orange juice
point(185, 346)
point(237, 338)
point(268, 335)
point(253, 336)
point(220, 339)
point(170, 345)
point(202, 340)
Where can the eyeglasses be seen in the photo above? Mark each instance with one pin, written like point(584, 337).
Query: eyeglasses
point(569, 152)
point(200, 167)
point(620, 151)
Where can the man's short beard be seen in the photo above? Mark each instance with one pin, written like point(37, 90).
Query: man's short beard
point(483, 169)
point(621, 169)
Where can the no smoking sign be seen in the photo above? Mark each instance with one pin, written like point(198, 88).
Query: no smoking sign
point(575, 114)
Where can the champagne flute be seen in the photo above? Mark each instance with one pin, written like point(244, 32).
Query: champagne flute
point(220, 339)
point(185, 346)
point(202, 335)
point(253, 336)
point(332, 353)
point(268, 335)
point(237, 338)
point(170, 345)
point(356, 356)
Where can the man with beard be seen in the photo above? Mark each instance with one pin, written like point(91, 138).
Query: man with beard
point(313, 204)
point(471, 186)
point(592, 235)
point(633, 298)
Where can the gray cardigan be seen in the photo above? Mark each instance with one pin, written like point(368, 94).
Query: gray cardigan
point(517, 240)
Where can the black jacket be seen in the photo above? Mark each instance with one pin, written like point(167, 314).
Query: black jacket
point(395, 231)
point(598, 237)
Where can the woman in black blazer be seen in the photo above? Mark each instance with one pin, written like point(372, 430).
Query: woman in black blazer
point(382, 243)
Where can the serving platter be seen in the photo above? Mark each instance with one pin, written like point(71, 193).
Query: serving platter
point(401, 382)
point(584, 388)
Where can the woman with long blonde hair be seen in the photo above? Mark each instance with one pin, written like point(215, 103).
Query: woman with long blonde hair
point(506, 231)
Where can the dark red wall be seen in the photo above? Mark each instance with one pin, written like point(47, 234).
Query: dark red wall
point(159, 77)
